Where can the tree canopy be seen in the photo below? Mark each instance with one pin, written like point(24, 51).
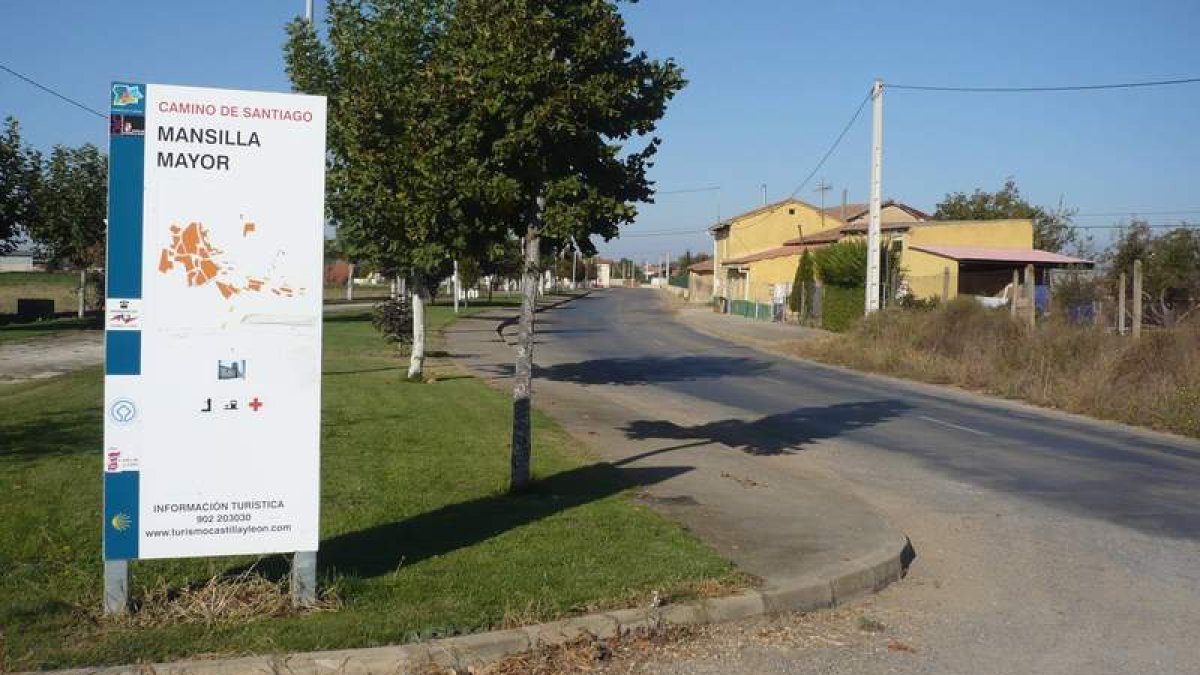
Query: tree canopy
point(1053, 230)
point(71, 202)
point(20, 170)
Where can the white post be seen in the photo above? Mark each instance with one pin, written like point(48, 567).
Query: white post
point(308, 10)
point(454, 283)
point(82, 290)
point(350, 281)
point(873, 234)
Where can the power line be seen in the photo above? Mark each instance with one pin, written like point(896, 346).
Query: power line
point(1074, 87)
point(50, 91)
point(836, 143)
point(713, 188)
point(663, 233)
point(1133, 212)
point(1155, 226)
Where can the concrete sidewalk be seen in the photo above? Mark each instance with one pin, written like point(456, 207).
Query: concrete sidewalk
point(779, 525)
point(764, 334)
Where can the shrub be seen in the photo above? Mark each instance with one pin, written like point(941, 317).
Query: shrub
point(842, 307)
point(394, 319)
point(1153, 381)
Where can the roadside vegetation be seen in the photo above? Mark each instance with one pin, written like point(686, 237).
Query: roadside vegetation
point(420, 537)
point(1153, 381)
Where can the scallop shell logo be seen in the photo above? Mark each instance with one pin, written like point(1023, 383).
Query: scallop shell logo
point(121, 522)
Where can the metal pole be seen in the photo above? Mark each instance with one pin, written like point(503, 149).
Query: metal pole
point(116, 587)
point(1121, 305)
point(1137, 298)
point(454, 283)
point(350, 281)
point(304, 578)
point(308, 10)
point(1014, 293)
point(764, 194)
point(873, 226)
point(574, 264)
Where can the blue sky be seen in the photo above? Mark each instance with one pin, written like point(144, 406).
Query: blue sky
point(771, 84)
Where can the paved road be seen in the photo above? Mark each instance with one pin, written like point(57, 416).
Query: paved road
point(1045, 543)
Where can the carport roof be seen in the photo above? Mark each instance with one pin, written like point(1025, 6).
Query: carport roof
point(1001, 255)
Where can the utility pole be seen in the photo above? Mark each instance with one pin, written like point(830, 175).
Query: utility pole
point(873, 237)
point(845, 194)
point(574, 264)
point(308, 10)
point(764, 194)
point(821, 188)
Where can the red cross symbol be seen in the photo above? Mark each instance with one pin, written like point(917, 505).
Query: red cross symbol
point(256, 404)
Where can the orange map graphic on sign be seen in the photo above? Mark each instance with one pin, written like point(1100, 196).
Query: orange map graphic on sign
point(202, 263)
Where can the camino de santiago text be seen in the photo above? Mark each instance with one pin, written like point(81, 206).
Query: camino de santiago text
point(208, 161)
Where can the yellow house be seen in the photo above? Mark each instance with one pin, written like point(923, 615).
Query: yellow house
point(946, 258)
point(751, 261)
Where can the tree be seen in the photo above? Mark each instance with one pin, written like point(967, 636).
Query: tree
point(71, 203)
point(1052, 230)
point(541, 98)
point(393, 185)
point(805, 277)
point(1170, 268)
point(20, 170)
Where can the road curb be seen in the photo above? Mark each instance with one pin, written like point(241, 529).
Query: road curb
point(850, 580)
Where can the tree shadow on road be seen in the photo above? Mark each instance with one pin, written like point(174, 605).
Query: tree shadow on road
point(776, 434)
point(652, 369)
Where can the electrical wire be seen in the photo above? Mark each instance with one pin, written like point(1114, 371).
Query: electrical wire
point(1132, 212)
point(713, 188)
point(1074, 87)
point(50, 91)
point(836, 143)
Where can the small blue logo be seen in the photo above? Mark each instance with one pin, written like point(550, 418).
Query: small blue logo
point(122, 411)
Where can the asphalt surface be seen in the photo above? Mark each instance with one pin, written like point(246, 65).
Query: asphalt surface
point(1045, 543)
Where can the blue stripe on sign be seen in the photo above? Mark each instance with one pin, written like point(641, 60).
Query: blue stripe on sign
point(126, 161)
point(121, 515)
point(123, 352)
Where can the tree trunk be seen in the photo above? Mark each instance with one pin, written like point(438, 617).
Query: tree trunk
point(82, 290)
point(416, 361)
point(522, 440)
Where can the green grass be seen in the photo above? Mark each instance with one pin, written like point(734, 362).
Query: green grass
point(418, 535)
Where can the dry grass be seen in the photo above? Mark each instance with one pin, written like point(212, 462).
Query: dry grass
point(1152, 382)
point(238, 599)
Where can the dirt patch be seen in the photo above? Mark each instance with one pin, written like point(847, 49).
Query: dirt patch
point(39, 358)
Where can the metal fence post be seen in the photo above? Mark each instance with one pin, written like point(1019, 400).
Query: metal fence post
point(1014, 293)
point(1031, 290)
point(304, 578)
point(1137, 298)
point(116, 587)
point(1121, 305)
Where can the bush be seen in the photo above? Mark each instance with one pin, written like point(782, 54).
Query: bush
point(842, 307)
point(394, 319)
point(1153, 381)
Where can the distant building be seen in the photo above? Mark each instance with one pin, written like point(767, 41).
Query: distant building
point(17, 261)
